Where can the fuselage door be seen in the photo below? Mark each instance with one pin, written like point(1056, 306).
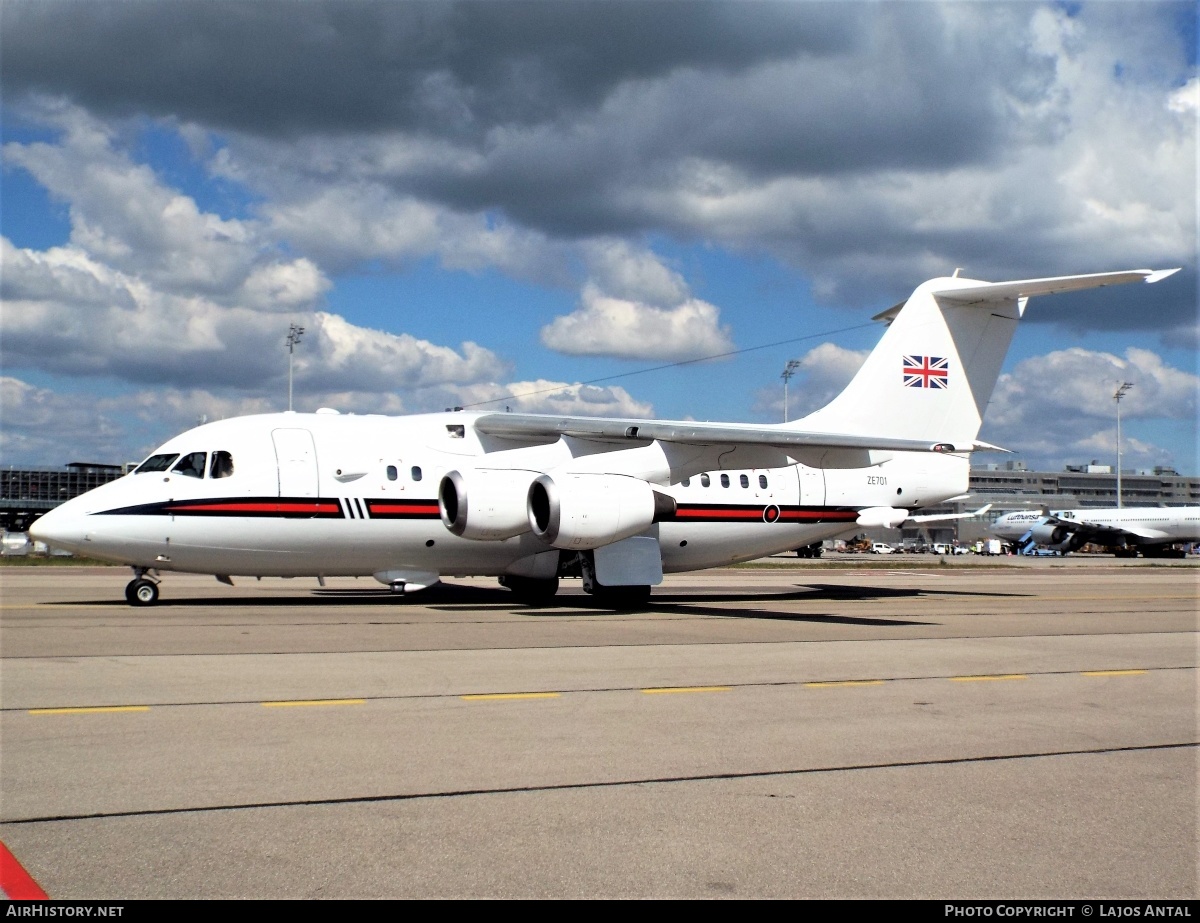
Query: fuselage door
point(812, 486)
point(297, 457)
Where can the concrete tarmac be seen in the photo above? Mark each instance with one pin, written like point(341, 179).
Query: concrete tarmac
point(1011, 729)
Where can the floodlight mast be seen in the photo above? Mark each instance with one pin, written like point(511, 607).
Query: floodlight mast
point(1120, 393)
point(293, 337)
point(788, 371)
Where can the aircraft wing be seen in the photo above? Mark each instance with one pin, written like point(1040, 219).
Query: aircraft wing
point(1096, 531)
point(605, 429)
point(933, 517)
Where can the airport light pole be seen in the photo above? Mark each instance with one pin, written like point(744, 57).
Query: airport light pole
point(293, 337)
point(1120, 393)
point(788, 371)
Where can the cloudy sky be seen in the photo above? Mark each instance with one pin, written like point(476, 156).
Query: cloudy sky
point(575, 206)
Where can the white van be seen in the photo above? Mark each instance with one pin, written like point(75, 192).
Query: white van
point(882, 548)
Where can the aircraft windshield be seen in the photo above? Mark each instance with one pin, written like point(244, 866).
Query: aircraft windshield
point(192, 465)
point(156, 463)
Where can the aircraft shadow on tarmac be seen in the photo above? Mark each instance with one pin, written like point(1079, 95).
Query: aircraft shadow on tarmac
point(742, 605)
point(455, 598)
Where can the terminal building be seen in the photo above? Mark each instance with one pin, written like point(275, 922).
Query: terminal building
point(27, 493)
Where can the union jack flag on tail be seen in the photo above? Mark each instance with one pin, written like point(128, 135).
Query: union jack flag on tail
point(926, 372)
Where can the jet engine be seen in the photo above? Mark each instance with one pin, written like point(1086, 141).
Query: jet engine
point(582, 511)
point(1057, 537)
point(1046, 533)
point(487, 504)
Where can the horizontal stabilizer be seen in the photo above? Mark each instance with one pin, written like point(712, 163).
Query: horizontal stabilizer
point(983, 292)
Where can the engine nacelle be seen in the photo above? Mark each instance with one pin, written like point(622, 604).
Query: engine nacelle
point(1057, 538)
point(582, 511)
point(486, 504)
point(1045, 533)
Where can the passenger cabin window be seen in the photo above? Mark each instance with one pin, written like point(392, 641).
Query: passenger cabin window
point(705, 480)
point(392, 473)
point(744, 481)
point(686, 482)
point(724, 480)
point(191, 465)
point(222, 465)
point(762, 481)
point(416, 472)
point(156, 463)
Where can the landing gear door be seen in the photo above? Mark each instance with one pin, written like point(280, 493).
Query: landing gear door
point(297, 457)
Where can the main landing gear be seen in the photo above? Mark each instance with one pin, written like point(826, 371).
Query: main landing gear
point(141, 590)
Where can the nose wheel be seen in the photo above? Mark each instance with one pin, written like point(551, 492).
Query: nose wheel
point(141, 592)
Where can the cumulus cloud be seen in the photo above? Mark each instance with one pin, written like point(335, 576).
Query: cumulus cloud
point(1003, 138)
point(378, 361)
point(151, 289)
point(607, 326)
point(1187, 98)
point(542, 396)
point(1060, 408)
point(870, 145)
point(622, 270)
point(46, 427)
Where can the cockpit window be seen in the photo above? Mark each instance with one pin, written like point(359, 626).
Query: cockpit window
point(191, 465)
point(156, 463)
point(222, 465)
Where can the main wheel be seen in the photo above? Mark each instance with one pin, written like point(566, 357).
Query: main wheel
point(142, 592)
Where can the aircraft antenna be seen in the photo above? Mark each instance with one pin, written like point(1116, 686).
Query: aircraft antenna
point(293, 337)
point(1120, 393)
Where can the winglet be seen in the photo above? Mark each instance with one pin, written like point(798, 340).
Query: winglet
point(1161, 274)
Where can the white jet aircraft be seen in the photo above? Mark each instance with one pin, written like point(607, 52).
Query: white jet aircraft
point(531, 498)
point(1151, 530)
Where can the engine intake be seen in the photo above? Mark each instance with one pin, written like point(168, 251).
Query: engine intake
point(583, 511)
point(486, 504)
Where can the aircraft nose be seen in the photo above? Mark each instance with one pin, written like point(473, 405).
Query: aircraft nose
point(59, 528)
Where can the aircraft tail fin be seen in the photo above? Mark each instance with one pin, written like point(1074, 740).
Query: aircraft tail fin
point(933, 372)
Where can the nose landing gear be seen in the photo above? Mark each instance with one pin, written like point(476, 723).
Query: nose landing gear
point(141, 590)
